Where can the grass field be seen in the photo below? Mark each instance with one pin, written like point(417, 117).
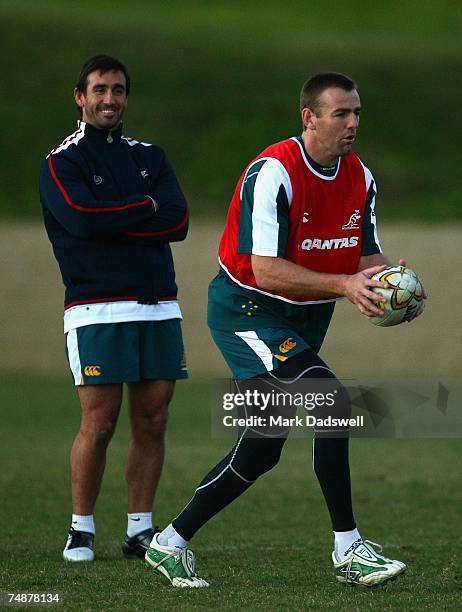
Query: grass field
point(268, 551)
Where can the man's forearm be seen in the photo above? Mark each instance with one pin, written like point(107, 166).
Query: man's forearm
point(277, 274)
point(368, 261)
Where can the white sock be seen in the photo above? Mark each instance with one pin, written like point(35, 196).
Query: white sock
point(170, 537)
point(345, 542)
point(138, 522)
point(83, 523)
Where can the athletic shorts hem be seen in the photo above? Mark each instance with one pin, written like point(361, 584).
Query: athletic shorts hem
point(108, 353)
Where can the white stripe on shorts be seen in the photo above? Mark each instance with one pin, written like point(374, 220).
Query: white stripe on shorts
point(258, 347)
point(74, 357)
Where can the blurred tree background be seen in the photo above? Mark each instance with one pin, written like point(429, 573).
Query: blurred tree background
point(214, 82)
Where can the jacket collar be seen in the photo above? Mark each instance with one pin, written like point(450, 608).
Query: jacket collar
point(100, 135)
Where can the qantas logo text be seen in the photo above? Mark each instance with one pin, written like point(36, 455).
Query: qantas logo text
point(322, 244)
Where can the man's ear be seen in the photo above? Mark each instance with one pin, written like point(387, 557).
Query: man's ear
point(308, 119)
point(79, 98)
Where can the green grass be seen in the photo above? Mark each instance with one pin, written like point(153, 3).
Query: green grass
point(215, 82)
point(268, 551)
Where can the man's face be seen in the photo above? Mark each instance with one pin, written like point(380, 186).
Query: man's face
point(336, 122)
point(104, 100)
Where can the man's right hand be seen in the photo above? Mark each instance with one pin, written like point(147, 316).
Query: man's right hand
point(358, 290)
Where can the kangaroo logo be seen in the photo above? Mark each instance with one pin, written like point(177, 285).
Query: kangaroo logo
point(353, 220)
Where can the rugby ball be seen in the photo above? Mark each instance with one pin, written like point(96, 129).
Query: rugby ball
point(403, 296)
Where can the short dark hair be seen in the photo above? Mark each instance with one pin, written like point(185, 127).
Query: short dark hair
point(103, 63)
point(315, 85)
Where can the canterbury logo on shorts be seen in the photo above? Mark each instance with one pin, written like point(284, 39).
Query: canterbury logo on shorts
point(92, 370)
point(287, 345)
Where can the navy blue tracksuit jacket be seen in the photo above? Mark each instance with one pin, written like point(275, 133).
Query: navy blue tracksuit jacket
point(110, 239)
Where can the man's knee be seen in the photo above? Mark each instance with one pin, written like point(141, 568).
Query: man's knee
point(100, 405)
point(98, 432)
point(335, 418)
point(157, 421)
point(151, 422)
point(148, 407)
point(255, 456)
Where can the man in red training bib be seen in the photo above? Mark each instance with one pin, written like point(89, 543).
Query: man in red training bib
point(300, 234)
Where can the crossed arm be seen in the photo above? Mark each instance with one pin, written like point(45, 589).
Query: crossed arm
point(156, 217)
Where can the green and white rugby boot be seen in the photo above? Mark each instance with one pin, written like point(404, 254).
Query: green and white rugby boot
point(176, 564)
point(365, 566)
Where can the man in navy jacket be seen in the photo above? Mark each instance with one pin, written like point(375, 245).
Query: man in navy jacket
point(111, 206)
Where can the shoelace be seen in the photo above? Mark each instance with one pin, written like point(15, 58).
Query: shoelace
point(376, 547)
point(80, 539)
point(178, 556)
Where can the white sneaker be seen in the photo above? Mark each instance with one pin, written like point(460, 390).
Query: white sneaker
point(364, 566)
point(79, 546)
point(176, 564)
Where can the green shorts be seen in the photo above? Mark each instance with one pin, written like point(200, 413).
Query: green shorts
point(249, 353)
point(126, 352)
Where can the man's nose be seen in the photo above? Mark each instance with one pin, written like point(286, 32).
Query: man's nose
point(108, 97)
point(353, 121)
